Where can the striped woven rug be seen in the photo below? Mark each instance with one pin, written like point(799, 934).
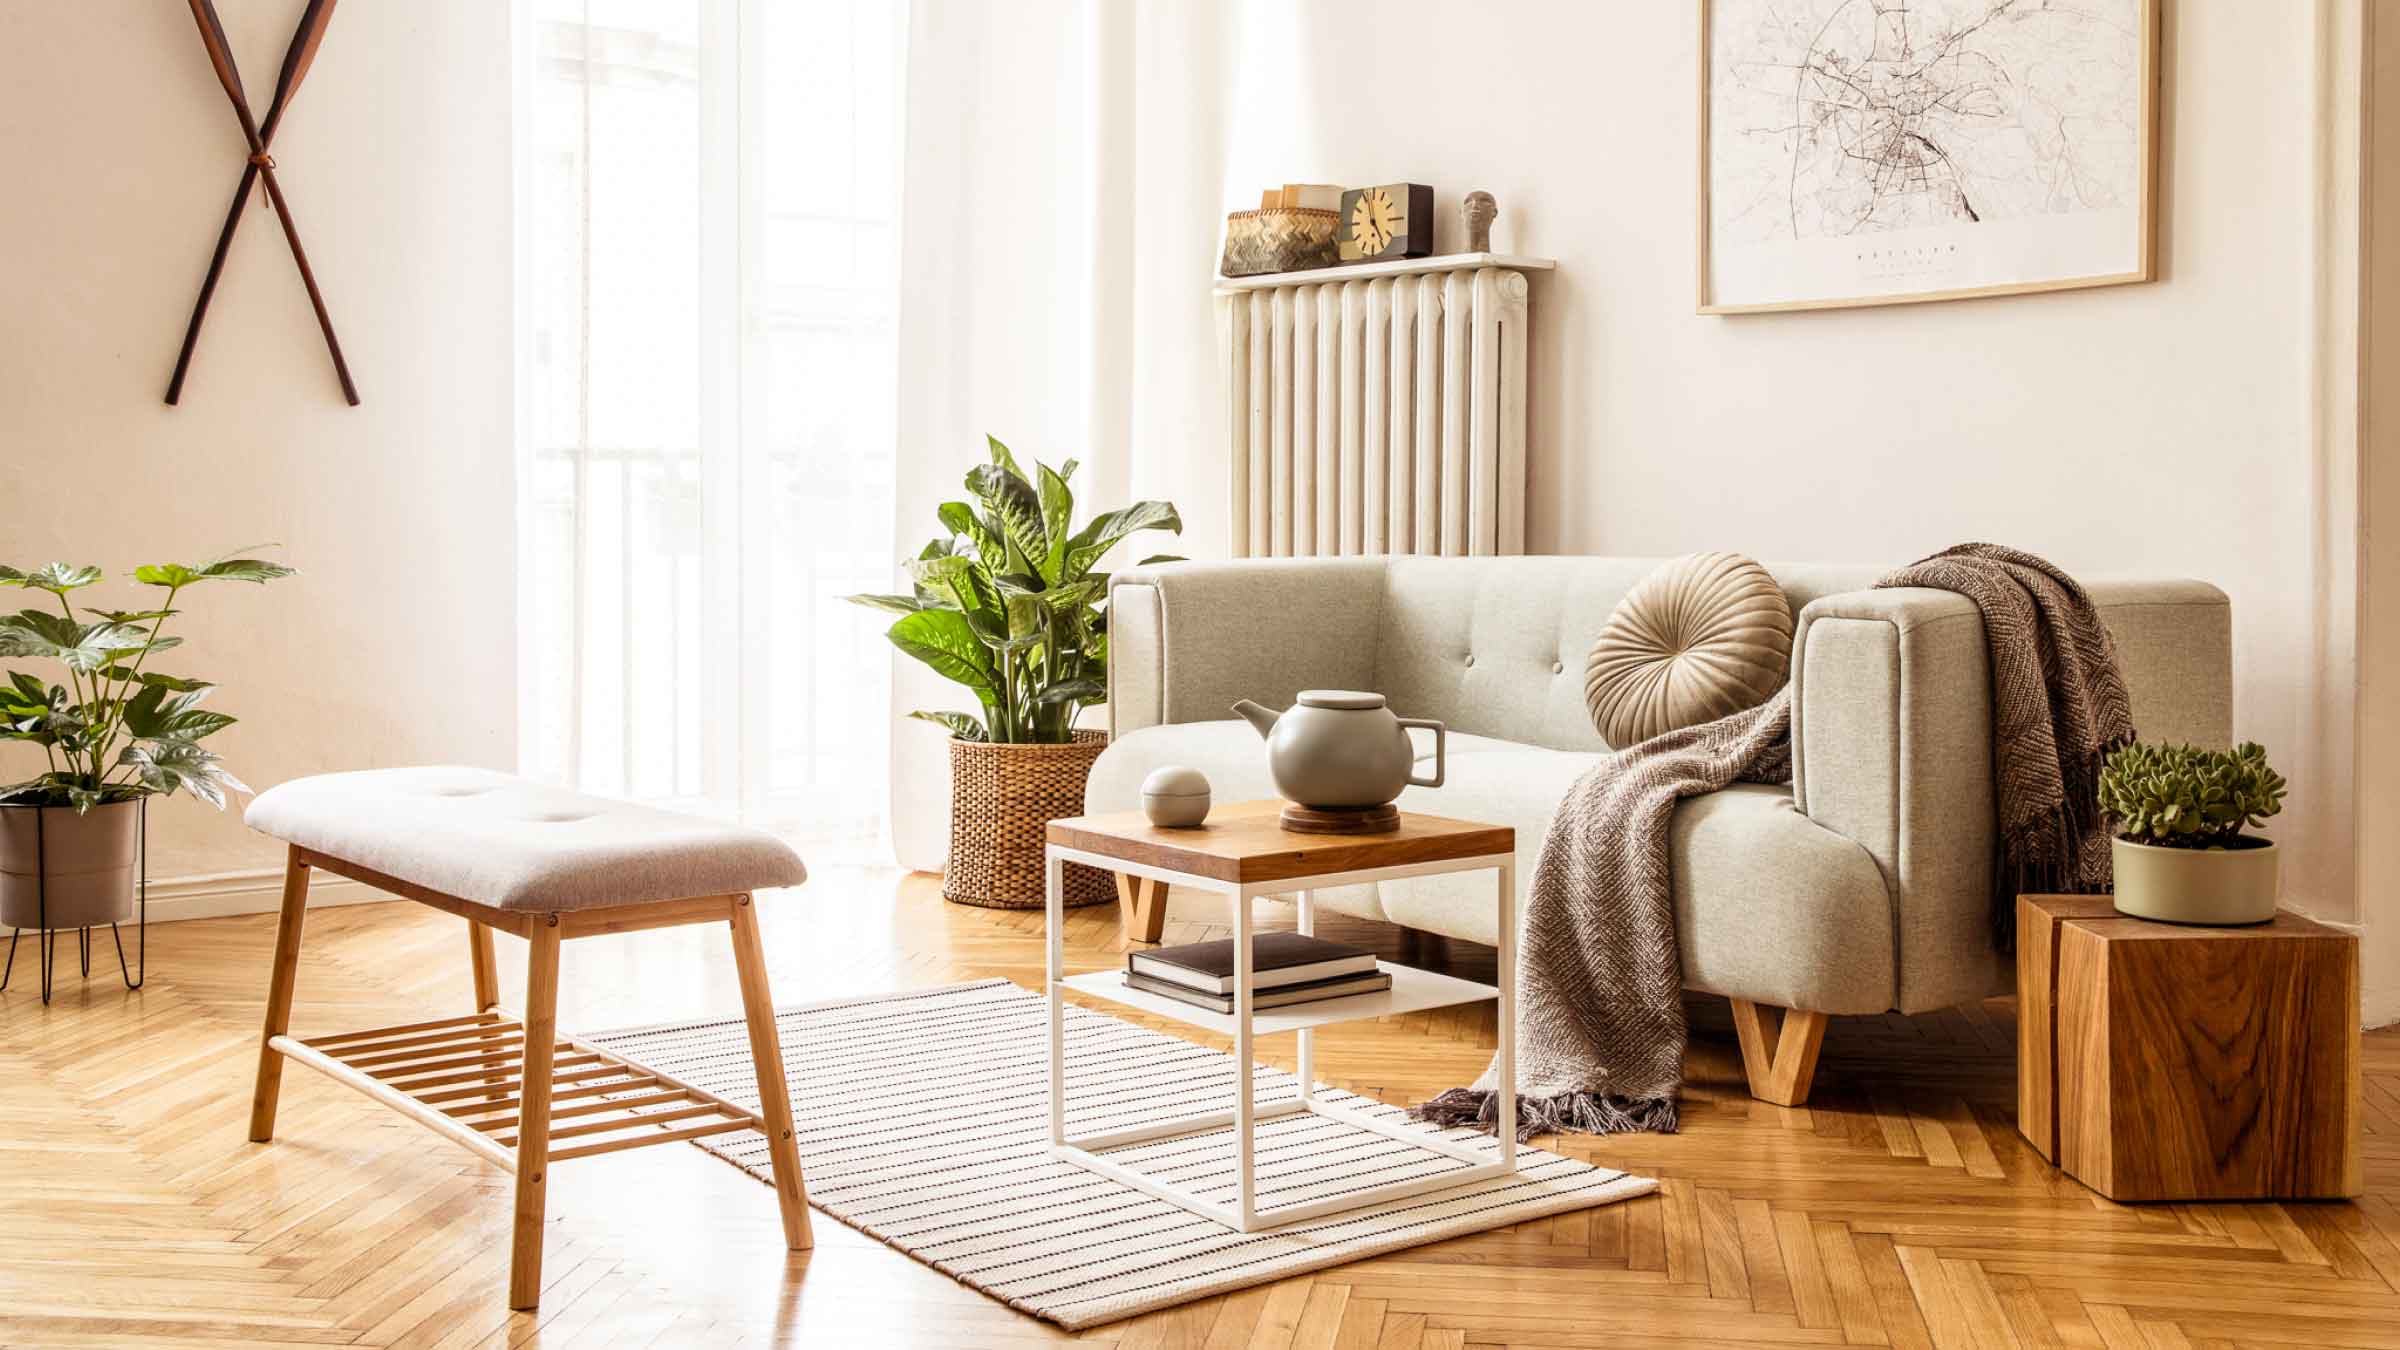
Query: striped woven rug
point(923, 1122)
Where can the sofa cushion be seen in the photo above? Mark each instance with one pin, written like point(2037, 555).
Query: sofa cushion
point(1769, 905)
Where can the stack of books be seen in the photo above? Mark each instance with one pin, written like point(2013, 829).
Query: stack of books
point(1285, 968)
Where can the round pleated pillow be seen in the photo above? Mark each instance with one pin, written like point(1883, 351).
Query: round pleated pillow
point(1701, 638)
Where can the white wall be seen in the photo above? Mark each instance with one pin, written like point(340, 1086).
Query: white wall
point(2168, 428)
point(395, 644)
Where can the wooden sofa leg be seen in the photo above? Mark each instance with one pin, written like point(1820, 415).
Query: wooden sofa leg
point(766, 1059)
point(1780, 1061)
point(533, 1118)
point(279, 997)
point(1142, 905)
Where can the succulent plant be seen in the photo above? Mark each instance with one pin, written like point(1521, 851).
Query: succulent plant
point(2181, 796)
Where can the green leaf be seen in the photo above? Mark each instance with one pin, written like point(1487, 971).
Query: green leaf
point(31, 688)
point(946, 641)
point(1074, 595)
point(943, 572)
point(171, 683)
point(57, 578)
point(1025, 621)
point(1019, 583)
point(1001, 457)
point(1018, 508)
point(1162, 558)
point(165, 574)
point(965, 726)
point(896, 604)
point(144, 714)
point(55, 637)
point(1106, 531)
point(227, 568)
point(1077, 691)
point(1058, 515)
point(132, 616)
point(167, 764)
point(256, 570)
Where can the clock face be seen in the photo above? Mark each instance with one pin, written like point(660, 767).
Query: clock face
point(1374, 221)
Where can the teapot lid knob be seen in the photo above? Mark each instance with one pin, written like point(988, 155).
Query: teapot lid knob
point(1345, 700)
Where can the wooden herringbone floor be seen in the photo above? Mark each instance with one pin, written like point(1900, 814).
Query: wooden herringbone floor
point(1899, 1209)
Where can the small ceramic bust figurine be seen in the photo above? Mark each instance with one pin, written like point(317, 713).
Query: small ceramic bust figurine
point(1175, 797)
point(1479, 210)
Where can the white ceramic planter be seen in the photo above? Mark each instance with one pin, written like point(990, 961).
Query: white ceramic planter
point(2216, 886)
point(75, 871)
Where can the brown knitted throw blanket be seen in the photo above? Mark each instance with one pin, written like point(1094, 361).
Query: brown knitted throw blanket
point(1600, 987)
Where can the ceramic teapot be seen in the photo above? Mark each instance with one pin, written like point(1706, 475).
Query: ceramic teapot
point(1338, 749)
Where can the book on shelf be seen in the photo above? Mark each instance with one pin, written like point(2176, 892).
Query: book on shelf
point(1314, 991)
point(1276, 959)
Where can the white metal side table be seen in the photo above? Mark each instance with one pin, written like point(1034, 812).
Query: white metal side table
point(1243, 852)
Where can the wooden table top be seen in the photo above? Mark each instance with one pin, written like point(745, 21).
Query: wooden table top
point(1245, 842)
point(2097, 915)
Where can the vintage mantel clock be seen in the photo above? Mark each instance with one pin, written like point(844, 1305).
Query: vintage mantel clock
point(1392, 221)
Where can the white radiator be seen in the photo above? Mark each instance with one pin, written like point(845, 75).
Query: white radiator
point(1378, 408)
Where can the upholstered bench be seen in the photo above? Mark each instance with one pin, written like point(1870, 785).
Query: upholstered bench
point(546, 865)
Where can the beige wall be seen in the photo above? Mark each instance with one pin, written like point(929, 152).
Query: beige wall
point(2178, 427)
point(395, 645)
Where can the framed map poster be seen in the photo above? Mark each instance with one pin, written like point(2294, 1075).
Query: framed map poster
point(1876, 152)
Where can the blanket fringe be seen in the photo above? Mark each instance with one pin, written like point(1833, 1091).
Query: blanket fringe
point(1566, 1113)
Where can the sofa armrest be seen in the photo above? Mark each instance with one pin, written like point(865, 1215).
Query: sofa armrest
point(1187, 639)
point(1891, 746)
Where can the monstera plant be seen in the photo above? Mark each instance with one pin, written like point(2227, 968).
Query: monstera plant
point(1010, 602)
point(112, 728)
point(2178, 813)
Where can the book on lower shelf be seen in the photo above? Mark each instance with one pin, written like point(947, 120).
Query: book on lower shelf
point(1276, 960)
point(1284, 996)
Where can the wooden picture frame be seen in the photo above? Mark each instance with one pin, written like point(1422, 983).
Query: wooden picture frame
point(1953, 263)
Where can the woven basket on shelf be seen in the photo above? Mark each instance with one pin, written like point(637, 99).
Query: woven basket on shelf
point(1002, 797)
point(1278, 239)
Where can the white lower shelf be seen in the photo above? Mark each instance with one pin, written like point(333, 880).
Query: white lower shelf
point(1412, 990)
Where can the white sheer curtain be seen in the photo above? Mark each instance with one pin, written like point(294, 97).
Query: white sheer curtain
point(710, 196)
point(1067, 172)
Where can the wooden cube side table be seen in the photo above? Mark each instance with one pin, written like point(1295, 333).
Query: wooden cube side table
point(2160, 1061)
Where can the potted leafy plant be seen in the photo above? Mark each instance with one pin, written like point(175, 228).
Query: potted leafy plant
point(1008, 602)
point(114, 733)
point(2177, 813)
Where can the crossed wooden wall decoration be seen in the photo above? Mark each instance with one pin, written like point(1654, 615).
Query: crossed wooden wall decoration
point(261, 169)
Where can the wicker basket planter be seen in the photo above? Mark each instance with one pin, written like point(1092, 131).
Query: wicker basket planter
point(1001, 799)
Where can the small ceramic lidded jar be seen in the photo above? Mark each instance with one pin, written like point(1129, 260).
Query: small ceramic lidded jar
point(1175, 797)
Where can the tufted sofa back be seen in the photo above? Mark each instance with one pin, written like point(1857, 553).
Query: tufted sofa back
point(1496, 646)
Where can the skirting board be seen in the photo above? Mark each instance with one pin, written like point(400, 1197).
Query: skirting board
point(217, 894)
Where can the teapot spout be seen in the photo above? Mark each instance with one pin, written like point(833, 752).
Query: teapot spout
point(1262, 718)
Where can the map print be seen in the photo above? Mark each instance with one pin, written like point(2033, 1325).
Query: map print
point(1897, 124)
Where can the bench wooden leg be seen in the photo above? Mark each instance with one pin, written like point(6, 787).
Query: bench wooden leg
point(279, 997)
point(487, 974)
point(487, 990)
point(1142, 905)
point(533, 1119)
point(1780, 1062)
point(766, 1058)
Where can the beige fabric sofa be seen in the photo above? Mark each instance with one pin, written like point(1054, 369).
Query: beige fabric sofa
point(1864, 887)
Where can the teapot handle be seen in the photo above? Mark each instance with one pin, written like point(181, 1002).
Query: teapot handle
point(1441, 746)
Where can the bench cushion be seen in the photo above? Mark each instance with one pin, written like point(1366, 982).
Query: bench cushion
point(504, 841)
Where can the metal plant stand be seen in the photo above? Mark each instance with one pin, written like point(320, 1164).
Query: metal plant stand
point(46, 937)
